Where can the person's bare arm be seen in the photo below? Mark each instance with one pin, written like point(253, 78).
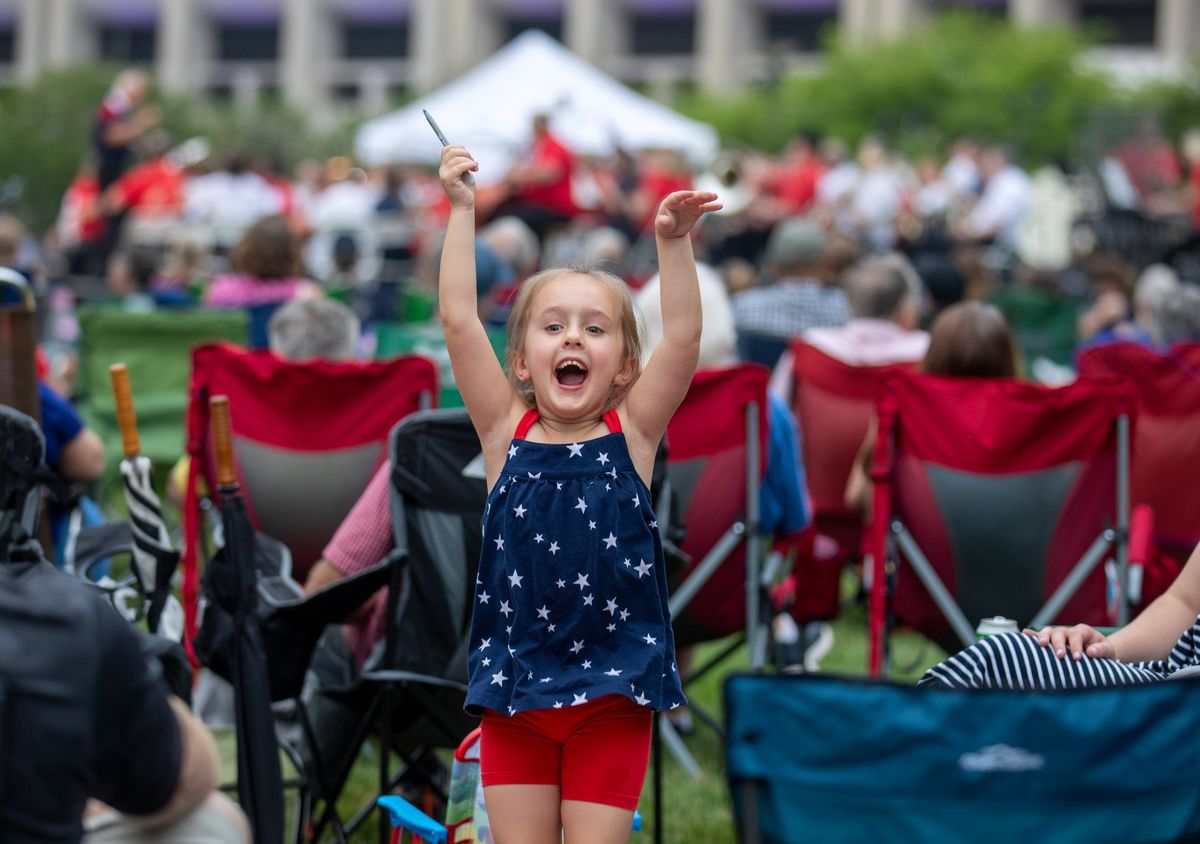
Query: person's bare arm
point(485, 390)
point(122, 132)
point(83, 459)
point(668, 374)
point(199, 770)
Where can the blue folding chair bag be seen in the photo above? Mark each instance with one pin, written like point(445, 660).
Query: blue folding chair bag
point(820, 758)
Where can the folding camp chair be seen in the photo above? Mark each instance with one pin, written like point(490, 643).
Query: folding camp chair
point(412, 689)
point(156, 348)
point(823, 758)
point(996, 497)
point(307, 436)
point(1166, 448)
point(834, 404)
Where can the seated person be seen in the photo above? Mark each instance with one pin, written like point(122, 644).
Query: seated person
point(86, 715)
point(74, 452)
point(1163, 639)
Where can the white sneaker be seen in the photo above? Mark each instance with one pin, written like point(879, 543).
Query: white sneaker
point(820, 635)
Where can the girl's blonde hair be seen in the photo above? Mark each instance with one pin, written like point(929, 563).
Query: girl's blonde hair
point(627, 324)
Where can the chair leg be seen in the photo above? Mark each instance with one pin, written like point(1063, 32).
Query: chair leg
point(325, 790)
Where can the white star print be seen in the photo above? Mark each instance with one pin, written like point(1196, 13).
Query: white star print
point(498, 679)
point(643, 568)
point(515, 579)
point(486, 661)
point(576, 449)
point(635, 501)
point(576, 646)
point(624, 615)
point(551, 628)
point(499, 543)
point(506, 609)
point(544, 680)
point(613, 473)
point(558, 704)
point(603, 458)
point(610, 541)
point(511, 711)
point(503, 488)
point(581, 506)
point(587, 600)
point(649, 640)
point(611, 607)
point(534, 477)
point(607, 488)
point(539, 539)
point(485, 644)
point(484, 597)
point(512, 450)
point(591, 525)
point(587, 663)
point(580, 699)
point(553, 548)
point(508, 630)
point(627, 563)
point(560, 583)
point(641, 699)
point(511, 652)
point(558, 484)
point(581, 581)
point(610, 628)
point(530, 675)
point(544, 612)
point(519, 511)
point(654, 524)
point(613, 672)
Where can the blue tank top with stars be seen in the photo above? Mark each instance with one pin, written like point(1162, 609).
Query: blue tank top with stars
point(571, 598)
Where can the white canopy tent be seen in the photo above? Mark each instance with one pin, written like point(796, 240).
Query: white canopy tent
point(490, 108)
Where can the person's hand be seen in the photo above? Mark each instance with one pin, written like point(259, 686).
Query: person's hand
point(1078, 640)
point(680, 211)
point(456, 163)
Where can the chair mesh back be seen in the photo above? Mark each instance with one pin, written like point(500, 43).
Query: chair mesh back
point(706, 442)
point(1166, 444)
point(438, 498)
point(1003, 486)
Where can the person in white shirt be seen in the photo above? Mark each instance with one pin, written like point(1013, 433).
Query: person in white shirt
point(1004, 202)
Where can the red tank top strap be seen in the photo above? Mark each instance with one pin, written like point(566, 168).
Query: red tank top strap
point(526, 423)
point(613, 420)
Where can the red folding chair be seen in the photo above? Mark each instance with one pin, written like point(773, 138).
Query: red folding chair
point(996, 497)
point(834, 403)
point(1166, 445)
point(307, 436)
point(715, 441)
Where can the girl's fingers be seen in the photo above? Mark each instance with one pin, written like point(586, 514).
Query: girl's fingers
point(1075, 643)
point(1058, 641)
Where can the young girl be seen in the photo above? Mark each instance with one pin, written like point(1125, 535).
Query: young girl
point(571, 646)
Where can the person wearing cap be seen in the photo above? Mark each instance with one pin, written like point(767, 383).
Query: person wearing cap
point(802, 296)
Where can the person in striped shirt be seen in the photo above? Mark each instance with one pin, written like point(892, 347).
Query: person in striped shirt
point(1161, 641)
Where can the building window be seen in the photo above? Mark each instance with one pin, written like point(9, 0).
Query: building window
point(998, 8)
point(375, 40)
point(1128, 23)
point(514, 26)
point(662, 35)
point(127, 45)
point(7, 50)
point(245, 43)
point(797, 31)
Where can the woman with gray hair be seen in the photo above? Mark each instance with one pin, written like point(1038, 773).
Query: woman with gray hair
point(307, 329)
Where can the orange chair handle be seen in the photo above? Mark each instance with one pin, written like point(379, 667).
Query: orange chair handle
point(222, 440)
point(131, 445)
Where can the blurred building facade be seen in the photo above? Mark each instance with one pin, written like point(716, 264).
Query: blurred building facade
point(363, 52)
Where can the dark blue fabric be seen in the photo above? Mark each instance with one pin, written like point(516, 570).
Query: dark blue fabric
point(571, 598)
point(60, 423)
point(821, 758)
point(783, 503)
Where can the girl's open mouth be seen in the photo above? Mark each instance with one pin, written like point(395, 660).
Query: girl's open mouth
point(571, 373)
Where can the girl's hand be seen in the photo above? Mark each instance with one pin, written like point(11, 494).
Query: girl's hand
point(1079, 640)
point(679, 211)
point(456, 162)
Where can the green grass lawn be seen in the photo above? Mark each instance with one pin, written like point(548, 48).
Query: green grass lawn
point(698, 809)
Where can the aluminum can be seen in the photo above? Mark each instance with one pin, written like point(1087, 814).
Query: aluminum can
point(995, 625)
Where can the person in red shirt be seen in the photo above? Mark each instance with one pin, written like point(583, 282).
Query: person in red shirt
point(153, 188)
point(540, 187)
point(794, 181)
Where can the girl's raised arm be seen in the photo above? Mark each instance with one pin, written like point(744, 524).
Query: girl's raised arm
point(668, 374)
point(486, 392)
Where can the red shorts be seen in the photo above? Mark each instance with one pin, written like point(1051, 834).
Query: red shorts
point(596, 752)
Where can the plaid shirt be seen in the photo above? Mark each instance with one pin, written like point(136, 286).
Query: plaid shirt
point(788, 307)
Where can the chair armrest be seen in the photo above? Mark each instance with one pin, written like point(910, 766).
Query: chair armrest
point(385, 675)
